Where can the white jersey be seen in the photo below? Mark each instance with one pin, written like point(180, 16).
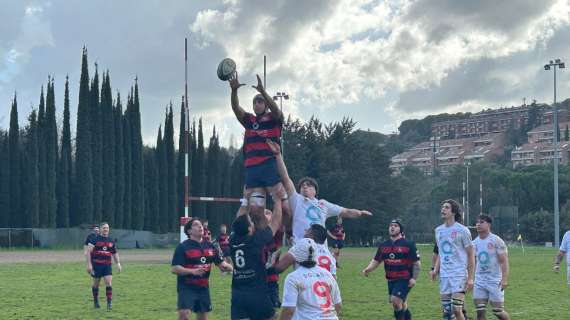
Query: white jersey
point(310, 211)
point(323, 257)
point(487, 251)
point(313, 292)
point(565, 247)
point(452, 242)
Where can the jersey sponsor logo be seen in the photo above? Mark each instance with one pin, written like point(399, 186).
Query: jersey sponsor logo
point(484, 261)
point(392, 256)
point(313, 214)
point(255, 126)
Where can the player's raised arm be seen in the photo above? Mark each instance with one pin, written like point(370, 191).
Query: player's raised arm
point(354, 213)
point(275, 223)
point(268, 100)
point(281, 168)
point(238, 111)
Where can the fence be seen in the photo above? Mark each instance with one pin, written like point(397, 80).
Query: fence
point(75, 238)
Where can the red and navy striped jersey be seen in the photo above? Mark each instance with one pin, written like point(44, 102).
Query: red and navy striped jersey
point(398, 257)
point(257, 130)
point(270, 250)
point(192, 254)
point(224, 241)
point(338, 232)
point(104, 248)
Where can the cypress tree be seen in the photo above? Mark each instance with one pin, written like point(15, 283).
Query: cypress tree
point(96, 147)
point(51, 155)
point(162, 183)
point(137, 191)
point(4, 180)
point(32, 175)
point(200, 186)
point(119, 164)
point(83, 173)
point(171, 169)
point(127, 212)
point(42, 161)
point(180, 163)
point(108, 151)
point(213, 176)
point(64, 166)
point(151, 190)
point(15, 169)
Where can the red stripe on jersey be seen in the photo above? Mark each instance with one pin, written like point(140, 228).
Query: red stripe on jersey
point(209, 253)
point(267, 133)
point(397, 274)
point(99, 261)
point(272, 278)
point(255, 161)
point(102, 253)
point(193, 253)
point(206, 267)
point(398, 262)
point(103, 244)
point(395, 249)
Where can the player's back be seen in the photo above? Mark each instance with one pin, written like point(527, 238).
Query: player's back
point(325, 259)
point(313, 292)
point(248, 258)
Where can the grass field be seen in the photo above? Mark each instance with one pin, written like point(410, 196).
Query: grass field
point(147, 290)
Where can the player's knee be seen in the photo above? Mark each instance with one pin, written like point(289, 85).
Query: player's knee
point(457, 305)
point(183, 315)
point(398, 305)
point(499, 311)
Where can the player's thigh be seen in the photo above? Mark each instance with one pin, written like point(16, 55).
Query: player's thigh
point(202, 316)
point(96, 282)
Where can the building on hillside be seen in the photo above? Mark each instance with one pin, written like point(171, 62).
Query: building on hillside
point(442, 155)
point(540, 150)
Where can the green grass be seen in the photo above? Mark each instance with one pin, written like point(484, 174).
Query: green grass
point(148, 290)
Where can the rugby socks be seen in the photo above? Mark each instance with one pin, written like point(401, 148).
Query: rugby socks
point(95, 292)
point(407, 314)
point(399, 314)
point(109, 292)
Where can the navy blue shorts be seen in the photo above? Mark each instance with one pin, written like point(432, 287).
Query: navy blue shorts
point(196, 300)
point(251, 305)
point(101, 270)
point(273, 292)
point(399, 288)
point(262, 175)
point(338, 244)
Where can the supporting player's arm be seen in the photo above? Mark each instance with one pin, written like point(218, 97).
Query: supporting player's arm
point(371, 267)
point(557, 260)
point(281, 168)
point(354, 213)
point(238, 111)
point(225, 266)
point(504, 263)
point(284, 262)
point(287, 313)
point(268, 100)
point(470, 266)
point(275, 223)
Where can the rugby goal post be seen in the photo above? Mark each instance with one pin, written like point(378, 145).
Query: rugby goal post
point(184, 220)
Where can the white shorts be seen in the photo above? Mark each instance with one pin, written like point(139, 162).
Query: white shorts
point(451, 285)
point(490, 291)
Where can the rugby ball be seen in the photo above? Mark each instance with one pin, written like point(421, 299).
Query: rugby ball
point(226, 68)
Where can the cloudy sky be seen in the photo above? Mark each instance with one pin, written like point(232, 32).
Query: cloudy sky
point(379, 62)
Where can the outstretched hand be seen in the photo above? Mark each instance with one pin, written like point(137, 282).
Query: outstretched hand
point(365, 213)
point(234, 82)
point(275, 148)
point(259, 86)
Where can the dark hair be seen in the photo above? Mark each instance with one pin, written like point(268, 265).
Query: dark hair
point(188, 225)
point(485, 218)
point(455, 209)
point(319, 233)
point(310, 263)
point(240, 226)
point(399, 223)
point(103, 223)
point(310, 181)
point(259, 96)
